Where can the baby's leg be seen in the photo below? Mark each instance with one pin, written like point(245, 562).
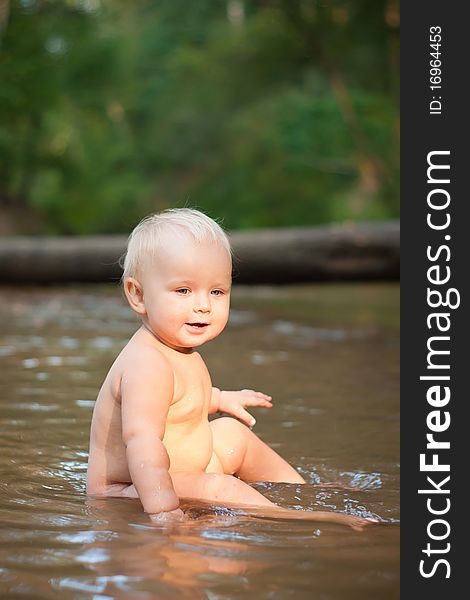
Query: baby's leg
point(217, 487)
point(242, 453)
point(230, 491)
point(209, 487)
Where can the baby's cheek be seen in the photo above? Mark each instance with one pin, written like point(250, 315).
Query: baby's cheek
point(222, 322)
point(176, 319)
point(225, 311)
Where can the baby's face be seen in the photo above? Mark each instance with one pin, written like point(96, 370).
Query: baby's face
point(187, 292)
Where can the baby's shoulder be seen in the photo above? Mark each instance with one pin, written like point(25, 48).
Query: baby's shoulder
point(141, 370)
point(144, 358)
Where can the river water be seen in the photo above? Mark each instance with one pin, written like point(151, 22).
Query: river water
point(329, 356)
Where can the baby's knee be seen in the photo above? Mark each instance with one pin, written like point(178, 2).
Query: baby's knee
point(230, 443)
point(228, 428)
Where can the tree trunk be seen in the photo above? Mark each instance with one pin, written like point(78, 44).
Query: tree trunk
point(302, 254)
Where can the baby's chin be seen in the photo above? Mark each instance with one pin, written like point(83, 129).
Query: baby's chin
point(185, 340)
point(200, 340)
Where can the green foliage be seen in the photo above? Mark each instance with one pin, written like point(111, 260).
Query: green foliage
point(264, 113)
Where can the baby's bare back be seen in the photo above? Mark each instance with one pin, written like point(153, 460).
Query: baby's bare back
point(187, 435)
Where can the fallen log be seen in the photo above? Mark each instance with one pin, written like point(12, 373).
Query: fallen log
point(352, 251)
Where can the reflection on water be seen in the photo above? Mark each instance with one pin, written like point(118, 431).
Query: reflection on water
point(329, 357)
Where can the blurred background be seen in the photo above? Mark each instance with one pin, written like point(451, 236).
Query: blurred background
point(264, 113)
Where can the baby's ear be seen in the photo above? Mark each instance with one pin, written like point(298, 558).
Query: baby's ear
point(135, 295)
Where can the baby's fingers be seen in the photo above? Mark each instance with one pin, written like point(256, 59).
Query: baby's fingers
point(245, 416)
point(252, 398)
point(257, 402)
point(171, 516)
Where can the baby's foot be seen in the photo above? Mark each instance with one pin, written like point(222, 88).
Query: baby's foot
point(358, 523)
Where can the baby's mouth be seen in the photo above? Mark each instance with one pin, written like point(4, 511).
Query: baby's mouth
point(199, 325)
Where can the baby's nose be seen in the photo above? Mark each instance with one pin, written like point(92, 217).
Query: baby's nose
point(202, 304)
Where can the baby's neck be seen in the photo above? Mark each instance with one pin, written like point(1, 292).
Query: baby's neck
point(147, 329)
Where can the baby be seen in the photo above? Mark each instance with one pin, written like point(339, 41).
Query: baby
point(150, 434)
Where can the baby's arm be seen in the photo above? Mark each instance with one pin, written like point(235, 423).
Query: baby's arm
point(146, 393)
point(233, 403)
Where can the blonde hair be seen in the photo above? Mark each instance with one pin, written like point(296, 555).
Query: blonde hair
point(147, 236)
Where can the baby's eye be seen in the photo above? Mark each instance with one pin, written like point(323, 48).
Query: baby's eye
point(217, 292)
point(183, 291)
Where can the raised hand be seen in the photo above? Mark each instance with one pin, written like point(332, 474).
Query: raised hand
point(234, 403)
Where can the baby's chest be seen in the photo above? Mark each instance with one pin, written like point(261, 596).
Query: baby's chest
point(192, 391)
point(191, 398)
point(189, 407)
